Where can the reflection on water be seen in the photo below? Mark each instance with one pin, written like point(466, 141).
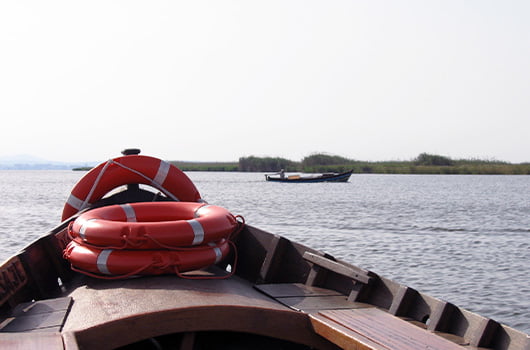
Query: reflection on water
point(464, 239)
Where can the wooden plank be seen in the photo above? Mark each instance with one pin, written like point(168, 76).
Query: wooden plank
point(36, 341)
point(50, 322)
point(317, 275)
point(12, 278)
point(329, 302)
point(478, 330)
point(272, 258)
point(306, 298)
point(402, 301)
point(43, 315)
point(336, 267)
point(42, 306)
point(279, 290)
point(455, 339)
point(251, 243)
point(148, 307)
point(40, 268)
point(509, 338)
point(55, 247)
point(484, 333)
point(287, 325)
point(440, 316)
point(381, 328)
point(342, 336)
point(188, 341)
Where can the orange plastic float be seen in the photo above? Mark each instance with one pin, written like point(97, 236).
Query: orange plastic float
point(153, 225)
point(130, 169)
point(145, 238)
point(125, 263)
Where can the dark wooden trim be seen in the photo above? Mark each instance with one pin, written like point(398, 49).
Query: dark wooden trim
point(283, 290)
point(286, 325)
point(336, 267)
point(188, 341)
point(402, 301)
point(484, 333)
point(34, 341)
point(272, 260)
point(317, 274)
point(341, 335)
point(43, 316)
point(440, 317)
point(37, 261)
point(372, 328)
point(13, 278)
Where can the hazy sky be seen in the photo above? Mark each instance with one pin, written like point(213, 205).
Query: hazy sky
point(217, 80)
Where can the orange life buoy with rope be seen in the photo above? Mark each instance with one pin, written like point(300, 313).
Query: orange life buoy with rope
point(178, 234)
point(130, 169)
point(111, 263)
point(153, 225)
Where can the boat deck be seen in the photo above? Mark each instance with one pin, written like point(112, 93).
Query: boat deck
point(101, 302)
point(355, 325)
point(93, 312)
point(107, 314)
point(169, 305)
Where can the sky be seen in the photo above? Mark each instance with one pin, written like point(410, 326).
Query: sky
point(213, 80)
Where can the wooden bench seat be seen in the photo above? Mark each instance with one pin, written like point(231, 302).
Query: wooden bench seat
point(374, 329)
point(308, 299)
point(42, 316)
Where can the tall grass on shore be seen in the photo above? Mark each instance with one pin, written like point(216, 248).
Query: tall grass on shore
point(430, 164)
point(318, 163)
point(206, 166)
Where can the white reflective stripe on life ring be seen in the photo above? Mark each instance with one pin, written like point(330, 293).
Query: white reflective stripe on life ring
point(198, 231)
point(83, 228)
point(218, 252)
point(75, 202)
point(129, 212)
point(162, 172)
point(102, 261)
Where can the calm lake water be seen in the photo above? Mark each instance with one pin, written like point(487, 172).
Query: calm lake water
point(464, 239)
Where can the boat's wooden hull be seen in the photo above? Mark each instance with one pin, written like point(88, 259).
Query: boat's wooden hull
point(281, 290)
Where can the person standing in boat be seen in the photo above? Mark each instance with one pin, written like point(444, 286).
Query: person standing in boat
point(282, 174)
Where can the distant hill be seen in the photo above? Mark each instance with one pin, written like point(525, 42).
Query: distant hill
point(29, 162)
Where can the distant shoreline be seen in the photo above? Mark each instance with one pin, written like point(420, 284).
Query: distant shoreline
point(391, 167)
point(83, 168)
point(320, 163)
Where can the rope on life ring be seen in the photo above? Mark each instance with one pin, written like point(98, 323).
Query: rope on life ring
point(129, 169)
point(147, 238)
point(140, 252)
point(119, 264)
point(153, 225)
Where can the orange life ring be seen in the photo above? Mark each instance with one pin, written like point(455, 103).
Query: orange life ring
point(153, 225)
point(130, 169)
point(124, 263)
